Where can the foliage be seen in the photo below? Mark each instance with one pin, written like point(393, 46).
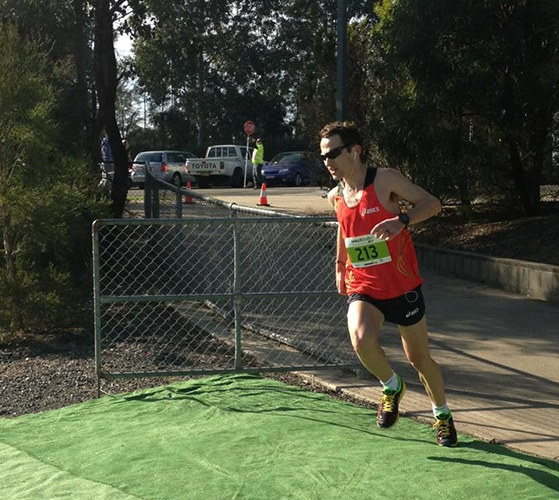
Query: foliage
point(199, 74)
point(46, 200)
point(480, 85)
point(26, 103)
point(62, 29)
point(128, 106)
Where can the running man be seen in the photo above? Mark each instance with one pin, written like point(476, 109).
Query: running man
point(376, 267)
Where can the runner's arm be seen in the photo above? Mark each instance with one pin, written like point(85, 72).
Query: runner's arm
point(341, 259)
point(332, 197)
point(425, 205)
point(341, 252)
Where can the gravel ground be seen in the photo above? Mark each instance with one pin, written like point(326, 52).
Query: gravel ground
point(54, 372)
point(39, 374)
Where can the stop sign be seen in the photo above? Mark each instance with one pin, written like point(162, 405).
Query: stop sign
point(249, 127)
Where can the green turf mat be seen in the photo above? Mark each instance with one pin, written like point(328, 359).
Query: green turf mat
point(27, 478)
point(247, 437)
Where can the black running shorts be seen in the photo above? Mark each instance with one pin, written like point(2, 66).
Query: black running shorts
point(406, 310)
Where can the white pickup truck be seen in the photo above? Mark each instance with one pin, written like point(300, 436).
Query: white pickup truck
point(222, 163)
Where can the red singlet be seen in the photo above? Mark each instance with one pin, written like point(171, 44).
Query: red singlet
point(385, 280)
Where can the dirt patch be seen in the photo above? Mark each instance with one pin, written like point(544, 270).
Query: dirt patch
point(498, 234)
point(46, 372)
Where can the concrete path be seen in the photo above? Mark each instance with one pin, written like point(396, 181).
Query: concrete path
point(499, 354)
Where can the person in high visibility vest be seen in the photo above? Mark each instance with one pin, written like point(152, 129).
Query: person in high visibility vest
point(257, 163)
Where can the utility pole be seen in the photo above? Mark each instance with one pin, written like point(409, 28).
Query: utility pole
point(341, 59)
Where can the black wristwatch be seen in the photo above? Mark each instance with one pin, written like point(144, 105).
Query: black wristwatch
point(404, 219)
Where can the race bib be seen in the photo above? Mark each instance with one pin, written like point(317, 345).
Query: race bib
point(366, 251)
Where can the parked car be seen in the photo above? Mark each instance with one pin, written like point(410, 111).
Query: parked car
point(295, 168)
point(165, 165)
point(224, 163)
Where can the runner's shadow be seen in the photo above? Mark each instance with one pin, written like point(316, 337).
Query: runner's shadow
point(548, 479)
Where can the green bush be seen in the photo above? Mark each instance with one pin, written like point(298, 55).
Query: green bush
point(48, 199)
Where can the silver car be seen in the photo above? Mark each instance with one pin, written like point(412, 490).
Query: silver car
point(165, 165)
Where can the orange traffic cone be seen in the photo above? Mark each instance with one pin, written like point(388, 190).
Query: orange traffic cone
point(263, 198)
point(187, 198)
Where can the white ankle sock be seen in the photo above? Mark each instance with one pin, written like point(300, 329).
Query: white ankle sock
point(437, 410)
point(392, 383)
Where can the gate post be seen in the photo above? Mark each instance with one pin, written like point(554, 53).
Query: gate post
point(237, 297)
point(97, 302)
point(148, 213)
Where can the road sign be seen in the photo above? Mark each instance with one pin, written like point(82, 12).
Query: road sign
point(249, 127)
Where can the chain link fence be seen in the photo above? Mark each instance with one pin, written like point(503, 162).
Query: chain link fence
point(220, 289)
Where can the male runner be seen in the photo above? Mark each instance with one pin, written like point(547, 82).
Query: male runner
point(376, 267)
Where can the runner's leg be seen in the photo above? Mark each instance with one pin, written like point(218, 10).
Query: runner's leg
point(416, 346)
point(364, 321)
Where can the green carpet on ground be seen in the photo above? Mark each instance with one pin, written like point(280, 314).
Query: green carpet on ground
point(247, 437)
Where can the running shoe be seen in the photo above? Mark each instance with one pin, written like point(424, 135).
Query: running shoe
point(446, 432)
point(387, 414)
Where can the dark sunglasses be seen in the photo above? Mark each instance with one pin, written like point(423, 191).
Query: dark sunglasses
point(334, 153)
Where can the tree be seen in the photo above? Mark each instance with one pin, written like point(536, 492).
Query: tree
point(42, 206)
point(26, 101)
point(106, 81)
point(270, 61)
point(180, 55)
point(128, 105)
point(64, 28)
point(488, 70)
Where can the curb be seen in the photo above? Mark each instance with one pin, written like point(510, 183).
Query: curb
point(534, 280)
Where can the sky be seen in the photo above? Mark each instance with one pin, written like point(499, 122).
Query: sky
point(123, 45)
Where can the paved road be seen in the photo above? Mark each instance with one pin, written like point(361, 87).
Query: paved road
point(499, 351)
point(299, 200)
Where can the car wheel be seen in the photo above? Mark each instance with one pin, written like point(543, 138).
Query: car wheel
point(237, 178)
point(176, 180)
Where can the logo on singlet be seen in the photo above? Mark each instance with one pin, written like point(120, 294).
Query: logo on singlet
point(367, 211)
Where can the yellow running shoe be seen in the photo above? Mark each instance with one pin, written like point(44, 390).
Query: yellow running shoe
point(387, 413)
point(446, 432)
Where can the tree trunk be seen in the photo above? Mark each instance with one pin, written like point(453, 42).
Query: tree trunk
point(201, 102)
point(462, 175)
point(15, 295)
point(526, 182)
point(106, 80)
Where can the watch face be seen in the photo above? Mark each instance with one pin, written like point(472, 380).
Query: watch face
point(404, 219)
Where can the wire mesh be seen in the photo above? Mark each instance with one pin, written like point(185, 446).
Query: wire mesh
point(180, 296)
point(164, 336)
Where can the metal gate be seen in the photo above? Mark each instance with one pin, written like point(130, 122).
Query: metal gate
point(217, 295)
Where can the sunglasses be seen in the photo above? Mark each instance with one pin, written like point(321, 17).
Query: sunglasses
point(334, 153)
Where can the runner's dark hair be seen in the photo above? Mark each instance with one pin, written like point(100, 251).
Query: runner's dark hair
point(347, 130)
